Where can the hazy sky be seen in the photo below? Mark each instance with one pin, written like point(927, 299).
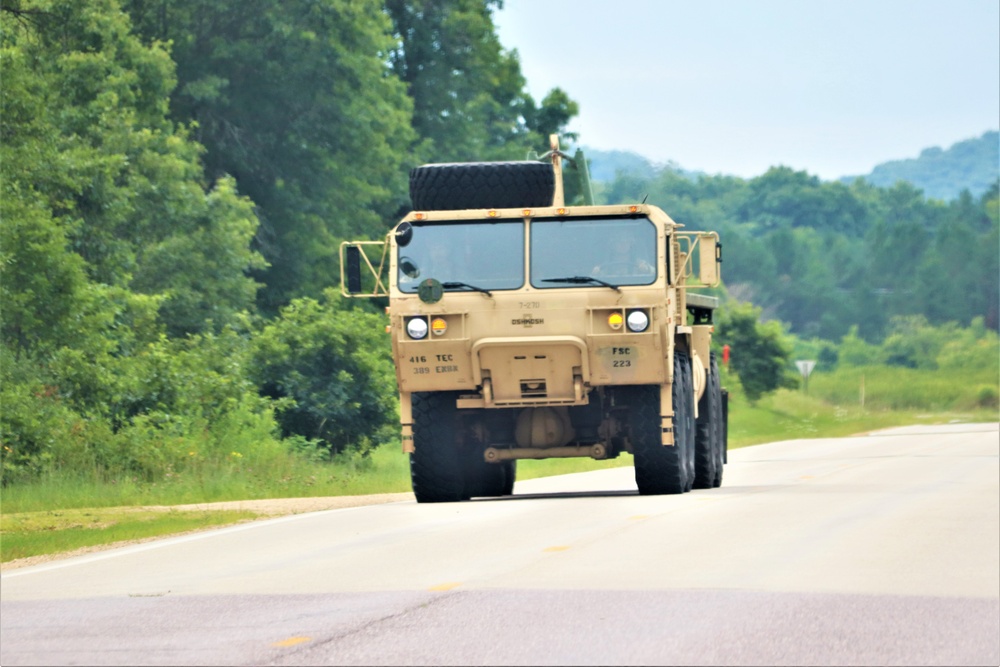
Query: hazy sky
point(833, 87)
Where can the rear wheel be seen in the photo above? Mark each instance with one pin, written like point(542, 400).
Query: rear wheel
point(435, 466)
point(659, 468)
point(709, 436)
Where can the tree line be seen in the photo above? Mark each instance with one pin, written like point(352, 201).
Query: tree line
point(825, 257)
point(177, 176)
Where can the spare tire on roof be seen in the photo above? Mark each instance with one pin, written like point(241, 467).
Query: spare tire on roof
point(463, 185)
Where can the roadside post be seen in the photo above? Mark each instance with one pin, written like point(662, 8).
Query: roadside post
point(805, 368)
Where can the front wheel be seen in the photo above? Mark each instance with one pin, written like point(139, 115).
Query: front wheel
point(663, 469)
point(435, 466)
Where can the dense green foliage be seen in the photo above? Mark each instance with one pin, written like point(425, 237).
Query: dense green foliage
point(823, 257)
point(469, 97)
point(176, 175)
point(124, 272)
point(293, 100)
point(339, 388)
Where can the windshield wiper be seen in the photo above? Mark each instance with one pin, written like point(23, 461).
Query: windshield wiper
point(581, 280)
point(456, 285)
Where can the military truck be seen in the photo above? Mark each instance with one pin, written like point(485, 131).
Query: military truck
point(525, 328)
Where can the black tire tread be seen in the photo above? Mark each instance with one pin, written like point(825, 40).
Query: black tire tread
point(469, 185)
point(708, 454)
point(663, 469)
point(435, 467)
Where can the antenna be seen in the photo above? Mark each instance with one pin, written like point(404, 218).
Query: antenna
point(645, 198)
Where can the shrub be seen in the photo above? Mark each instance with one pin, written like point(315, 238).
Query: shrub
point(987, 397)
point(330, 364)
point(760, 351)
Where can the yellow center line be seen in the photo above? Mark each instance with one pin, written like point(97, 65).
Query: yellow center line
point(291, 641)
point(446, 586)
point(555, 549)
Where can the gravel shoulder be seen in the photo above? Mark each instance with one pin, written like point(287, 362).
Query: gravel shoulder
point(265, 509)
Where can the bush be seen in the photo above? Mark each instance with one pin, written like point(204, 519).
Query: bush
point(987, 397)
point(330, 366)
point(158, 411)
point(855, 351)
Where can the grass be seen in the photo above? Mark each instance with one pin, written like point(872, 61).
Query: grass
point(27, 534)
point(70, 509)
point(386, 470)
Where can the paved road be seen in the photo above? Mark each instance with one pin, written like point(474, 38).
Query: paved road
point(879, 549)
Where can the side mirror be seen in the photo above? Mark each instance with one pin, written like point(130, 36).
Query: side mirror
point(709, 258)
point(353, 259)
point(404, 233)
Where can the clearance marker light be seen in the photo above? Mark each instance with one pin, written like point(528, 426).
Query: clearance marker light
point(419, 216)
point(526, 212)
point(439, 326)
point(615, 321)
point(492, 214)
point(562, 211)
point(633, 208)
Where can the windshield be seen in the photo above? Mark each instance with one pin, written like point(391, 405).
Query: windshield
point(592, 252)
point(479, 255)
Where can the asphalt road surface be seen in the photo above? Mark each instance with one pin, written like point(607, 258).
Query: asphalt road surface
point(877, 549)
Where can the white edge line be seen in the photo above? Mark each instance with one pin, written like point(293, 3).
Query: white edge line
point(170, 541)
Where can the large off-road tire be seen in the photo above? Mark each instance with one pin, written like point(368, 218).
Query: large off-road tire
point(661, 469)
point(709, 433)
point(465, 185)
point(435, 465)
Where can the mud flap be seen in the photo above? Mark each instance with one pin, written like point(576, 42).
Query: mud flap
point(666, 415)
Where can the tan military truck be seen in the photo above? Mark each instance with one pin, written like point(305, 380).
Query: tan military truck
point(525, 328)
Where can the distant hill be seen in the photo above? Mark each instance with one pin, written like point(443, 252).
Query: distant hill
point(605, 165)
point(972, 165)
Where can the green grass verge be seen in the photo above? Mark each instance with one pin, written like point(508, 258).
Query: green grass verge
point(26, 534)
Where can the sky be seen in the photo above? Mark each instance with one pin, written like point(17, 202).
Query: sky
point(832, 87)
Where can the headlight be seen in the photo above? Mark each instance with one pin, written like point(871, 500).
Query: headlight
point(637, 321)
point(416, 327)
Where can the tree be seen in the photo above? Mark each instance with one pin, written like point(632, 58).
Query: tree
point(783, 197)
point(469, 98)
point(111, 241)
point(760, 356)
point(294, 100)
point(86, 137)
